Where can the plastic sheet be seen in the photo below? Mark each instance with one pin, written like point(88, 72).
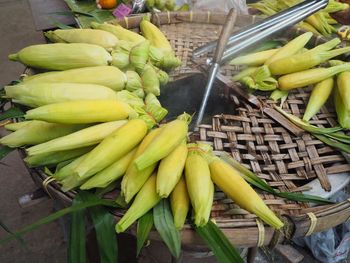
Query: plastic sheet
point(332, 245)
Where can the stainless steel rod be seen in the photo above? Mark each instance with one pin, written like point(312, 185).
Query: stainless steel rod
point(262, 25)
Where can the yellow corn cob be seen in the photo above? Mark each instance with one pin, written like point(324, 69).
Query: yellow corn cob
point(254, 59)
point(291, 48)
point(16, 125)
point(155, 36)
point(107, 76)
point(111, 173)
point(112, 148)
point(342, 99)
point(199, 185)
point(39, 94)
point(53, 158)
point(170, 170)
point(144, 201)
point(318, 98)
point(38, 132)
point(308, 77)
point(303, 61)
point(307, 27)
point(134, 178)
point(86, 35)
point(120, 32)
point(88, 111)
point(85, 137)
point(180, 203)
point(62, 56)
point(172, 134)
point(233, 185)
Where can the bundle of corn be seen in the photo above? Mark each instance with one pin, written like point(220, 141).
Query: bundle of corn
point(319, 23)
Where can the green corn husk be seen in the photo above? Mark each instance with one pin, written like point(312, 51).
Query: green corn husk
point(307, 27)
point(68, 169)
point(120, 32)
point(335, 6)
point(279, 94)
point(172, 134)
point(308, 77)
point(107, 76)
point(85, 137)
point(163, 77)
point(342, 99)
point(86, 35)
point(62, 56)
point(151, 114)
point(110, 174)
point(150, 81)
point(318, 98)
point(38, 132)
point(144, 201)
point(254, 59)
point(319, 22)
point(150, 4)
point(304, 61)
point(244, 73)
point(139, 93)
point(53, 158)
point(335, 62)
point(261, 79)
point(170, 5)
point(152, 99)
point(130, 98)
point(139, 56)
point(121, 55)
point(112, 148)
point(16, 125)
point(39, 94)
point(164, 60)
point(160, 4)
point(134, 83)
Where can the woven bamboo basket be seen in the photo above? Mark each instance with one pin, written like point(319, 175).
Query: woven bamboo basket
point(277, 151)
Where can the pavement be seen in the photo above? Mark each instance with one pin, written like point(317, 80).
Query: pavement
point(48, 243)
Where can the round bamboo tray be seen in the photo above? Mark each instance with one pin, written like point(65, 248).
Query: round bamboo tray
point(274, 149)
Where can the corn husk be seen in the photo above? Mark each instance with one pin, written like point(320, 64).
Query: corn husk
point(342, 99)
point(261, 79)
point(129, 98)
point(163, 59)
point(152, 99)
point(150, 81)
point(180, 203)
point(134, 83)
point(121, 55)
point(14, 126)
point(244, 73)
point(139, 56)
point(107, 76)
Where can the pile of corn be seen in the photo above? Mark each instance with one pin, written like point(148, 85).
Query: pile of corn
point(293, 66)
point(320, 23)
point(106, 55)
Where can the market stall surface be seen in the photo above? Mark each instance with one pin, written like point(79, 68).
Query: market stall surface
point(47, 244)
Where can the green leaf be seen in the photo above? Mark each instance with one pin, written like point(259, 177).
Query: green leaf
point(4, 151)
point(77, 237)
point(341, 137)
point(144, 226)
point(339, 145)
point(7, 229)
point(104, 225)
point(164, 223)
point(222, 248)
point(61, 25)
point(11, 113)
point(59, 214)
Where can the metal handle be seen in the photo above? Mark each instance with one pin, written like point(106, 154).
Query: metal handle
point(224, 35)
point(264, 24)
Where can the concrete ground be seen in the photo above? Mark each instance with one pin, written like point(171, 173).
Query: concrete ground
point(46, 244)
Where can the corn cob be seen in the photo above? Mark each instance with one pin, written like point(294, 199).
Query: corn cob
point(150, 81)
point(318, 97)
point(199, 185)
point(307, 27)
point(139, 56)
point(304, 61)
point(107, 76)
point(78, 35)
point(111, 173)
point(172, 134)
point(38, 132)
point(155, 36)
point(308, 77)
point(144, 201)
point(180, 203)
point(88, 111)
point(291, 48)
point(120, 32)
point(342, 99)
point(121, 55)
point(53, 158)
point(133, 178)
point(254, 59)
point(61, 56)
point(112, 148)
point(319, 22)
point(85, 137)
point(170, 170)
point(39, 94)
point(16, 125)
point(232, 184)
